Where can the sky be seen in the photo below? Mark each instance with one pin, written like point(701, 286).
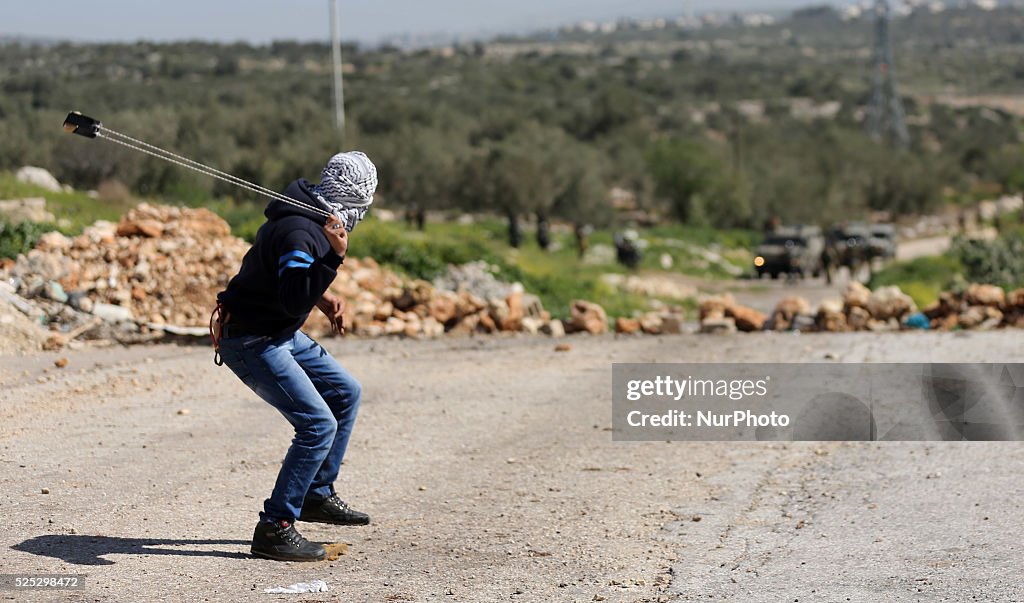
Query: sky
point(366, 21)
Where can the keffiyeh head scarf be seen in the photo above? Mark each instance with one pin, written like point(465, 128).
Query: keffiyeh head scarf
point(346, 187)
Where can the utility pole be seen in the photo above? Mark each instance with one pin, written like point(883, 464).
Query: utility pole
point(339, 92)
point(885, 114)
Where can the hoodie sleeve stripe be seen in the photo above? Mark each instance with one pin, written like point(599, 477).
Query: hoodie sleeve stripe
point(292, 264)
point(295, 256)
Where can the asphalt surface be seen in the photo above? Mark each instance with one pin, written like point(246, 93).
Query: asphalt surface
point(490, 472)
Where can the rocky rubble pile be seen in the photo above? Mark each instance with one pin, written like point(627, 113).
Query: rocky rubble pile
point(476, 278)
point(18, 332)
point(884, 309)
point(665, 322)
point(979, 307)
point(160, 268)
point(379, 302)
point(159, 265)
point(722, 314)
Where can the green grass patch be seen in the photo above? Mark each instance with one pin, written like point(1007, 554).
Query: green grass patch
point(423, 254)
point(697, 251)
point(557, 276)
point(921, 278)
point(20, 238)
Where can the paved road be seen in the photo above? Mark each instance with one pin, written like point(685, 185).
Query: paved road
point(909, 250)
point(490, 473)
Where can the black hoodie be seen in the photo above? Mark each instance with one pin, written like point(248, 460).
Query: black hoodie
point(288, 268)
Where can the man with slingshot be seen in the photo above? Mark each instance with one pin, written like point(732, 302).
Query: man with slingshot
point(255, 331)
point(286, 273)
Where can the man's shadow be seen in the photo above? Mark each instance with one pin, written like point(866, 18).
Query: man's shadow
point(82, 549)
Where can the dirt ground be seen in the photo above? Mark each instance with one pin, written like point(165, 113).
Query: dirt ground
point(489, 471)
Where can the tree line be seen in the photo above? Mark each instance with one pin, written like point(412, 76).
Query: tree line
point(698, 126)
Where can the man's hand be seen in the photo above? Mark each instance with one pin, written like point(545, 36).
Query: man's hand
point(336, 235)
point(334, 309)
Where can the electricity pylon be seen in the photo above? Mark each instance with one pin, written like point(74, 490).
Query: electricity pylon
point(885, 114)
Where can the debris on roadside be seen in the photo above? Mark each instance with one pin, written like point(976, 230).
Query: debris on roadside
point(335, 550)
point(787, 313)
point(587, 317)
point(21, 327)
point(979, 307)
point(158, 270)
point(721, 314)
point(314, 586)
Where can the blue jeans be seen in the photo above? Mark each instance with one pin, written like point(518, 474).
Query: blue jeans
point(317, 396)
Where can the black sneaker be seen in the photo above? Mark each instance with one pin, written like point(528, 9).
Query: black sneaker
point(281, 542)
point(331, 510)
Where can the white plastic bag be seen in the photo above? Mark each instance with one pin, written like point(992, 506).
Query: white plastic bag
point(316, 586)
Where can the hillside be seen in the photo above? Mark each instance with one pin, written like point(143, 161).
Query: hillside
point(723, 125)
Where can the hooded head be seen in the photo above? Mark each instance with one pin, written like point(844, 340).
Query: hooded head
point(347, 185)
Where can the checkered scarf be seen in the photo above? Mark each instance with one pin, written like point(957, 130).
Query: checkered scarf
point(346, 187)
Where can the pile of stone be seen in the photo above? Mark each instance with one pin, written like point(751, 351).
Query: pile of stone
point(159, 270)
point(722, 314)
point(158, 266)
point(379, 302)
point(18, 332)
point(474, 277)
point(652, 323)
point(860, 309)
point(979, 307)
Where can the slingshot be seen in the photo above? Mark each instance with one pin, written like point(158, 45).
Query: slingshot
point(89, 127)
